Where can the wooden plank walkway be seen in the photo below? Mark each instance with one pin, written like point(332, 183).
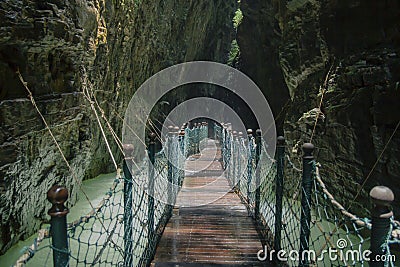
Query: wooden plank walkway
point(217, 233)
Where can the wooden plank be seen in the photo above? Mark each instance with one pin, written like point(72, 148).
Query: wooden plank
point(217, 233)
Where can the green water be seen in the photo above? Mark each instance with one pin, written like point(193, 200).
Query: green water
point(95, 189)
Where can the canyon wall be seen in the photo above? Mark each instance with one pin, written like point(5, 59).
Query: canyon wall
point(64, 48)
point(296, 51)
point(350, 51)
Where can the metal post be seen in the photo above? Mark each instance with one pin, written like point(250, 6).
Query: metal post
point(218, 133)
point(178, 167)
point(280, 158)
point(233, 160)
point(258, 178)
point(228, 154)
point(223, 145)
point(215, 132)
point(239, 159)
point(192, 140)
point(197, 134)
point(150, 210)
point(57, 195)
point(181, 140)
point(249, 162)
point(306, 185)
point(381, 197)
point(227, 148)
point(206, 130)
point(231, 155)
point(170, 166)
point(128, 149)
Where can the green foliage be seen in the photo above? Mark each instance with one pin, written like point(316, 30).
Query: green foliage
point(234, 53)
point(237, 19)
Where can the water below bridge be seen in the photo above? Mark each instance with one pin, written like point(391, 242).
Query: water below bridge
point(95, 189)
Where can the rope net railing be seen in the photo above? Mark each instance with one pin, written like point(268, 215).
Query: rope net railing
point(125, 227)
point(295, 211)
point(333, 227)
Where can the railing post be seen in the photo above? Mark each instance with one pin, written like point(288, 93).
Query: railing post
point(197, 134)
point(169, 166)
point(258, 178)
point(234, 157)
point(280, 165)
point(203, 130)
point(150, 210)
point(229, 154)
point(218, 133)
point(57, 195)
point(381, 197)
point(229, 149)
point(188, 142)
point(223, 146)
point(193, 140)
point(128, 148)
point(239, 159)
point(181, 140)
point(249, 162)
point(306, 186)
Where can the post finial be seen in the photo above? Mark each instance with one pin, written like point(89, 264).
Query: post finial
point(57, 195)
point(308, 150)
point(128, 149)
point(280, 140)
point(152, 136)
point(382, 197)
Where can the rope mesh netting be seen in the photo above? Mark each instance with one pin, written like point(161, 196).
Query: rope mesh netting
point(124, 229)
point(99, 238)
point(332, 227)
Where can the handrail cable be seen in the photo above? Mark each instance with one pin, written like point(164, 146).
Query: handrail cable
point(323, 90)
point(375, 164)
point(79, 183)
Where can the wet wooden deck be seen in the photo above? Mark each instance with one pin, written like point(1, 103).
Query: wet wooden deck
point(210, 226)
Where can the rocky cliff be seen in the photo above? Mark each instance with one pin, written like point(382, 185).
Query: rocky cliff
point(348, 53)
point(64, 47)
point(343, 51)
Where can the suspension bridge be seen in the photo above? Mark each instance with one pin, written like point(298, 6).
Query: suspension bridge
point(214, 197)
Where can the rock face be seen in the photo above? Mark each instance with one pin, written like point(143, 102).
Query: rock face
point(65, 48)
point(347, 51)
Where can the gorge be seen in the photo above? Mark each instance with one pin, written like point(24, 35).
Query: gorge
point(343, 54)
